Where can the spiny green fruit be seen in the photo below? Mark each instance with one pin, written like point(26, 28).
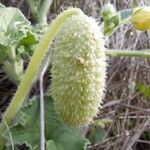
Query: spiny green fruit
point(78, 70)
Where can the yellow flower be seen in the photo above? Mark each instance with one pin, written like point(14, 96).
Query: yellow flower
point(141, 18)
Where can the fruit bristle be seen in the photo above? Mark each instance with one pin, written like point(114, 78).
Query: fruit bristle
point(78, 70)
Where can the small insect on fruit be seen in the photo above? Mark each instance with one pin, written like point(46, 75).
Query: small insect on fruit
point(78, 70)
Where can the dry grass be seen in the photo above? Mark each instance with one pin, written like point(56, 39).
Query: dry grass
point(129, 109)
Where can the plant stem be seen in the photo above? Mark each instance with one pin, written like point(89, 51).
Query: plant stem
point(14, 70)
point(43, 11)
point(33, 69)
point(12, 54)
point(40, 10)
point(13, 66)
point(42, 113)
point(33, 8)
point(128, 53)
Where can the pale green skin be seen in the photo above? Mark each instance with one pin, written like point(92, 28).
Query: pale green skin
point(33, 69)
point(78, 70)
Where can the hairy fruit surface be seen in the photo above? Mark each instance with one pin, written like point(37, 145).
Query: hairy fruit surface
point(78, 70)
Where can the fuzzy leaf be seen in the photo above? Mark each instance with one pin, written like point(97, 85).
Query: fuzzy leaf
point(51, 145)
point(96, 135)
point(3, 53)
point(125, 15)
point(14, 29)
point(26, 129)
point(11, 15)
point(29, 39)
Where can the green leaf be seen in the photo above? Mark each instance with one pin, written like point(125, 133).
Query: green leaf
point(10, 18)
point(3, 53)
point(96, 135)
point(144, 89)
point(15, 29)
point(31, 38)
point(26, 126)
point(51, 145)
point(111, 23)
point(115, 19)
point(126, 15)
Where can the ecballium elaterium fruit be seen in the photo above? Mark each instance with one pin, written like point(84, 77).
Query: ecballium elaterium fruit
point(78, 70)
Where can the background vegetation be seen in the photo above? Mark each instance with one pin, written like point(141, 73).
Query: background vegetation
point(127, 101)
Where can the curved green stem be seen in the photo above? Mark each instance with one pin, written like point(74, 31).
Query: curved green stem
point(129, 53)
point(34, 68)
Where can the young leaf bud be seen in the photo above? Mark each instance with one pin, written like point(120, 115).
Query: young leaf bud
point(108, 10)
